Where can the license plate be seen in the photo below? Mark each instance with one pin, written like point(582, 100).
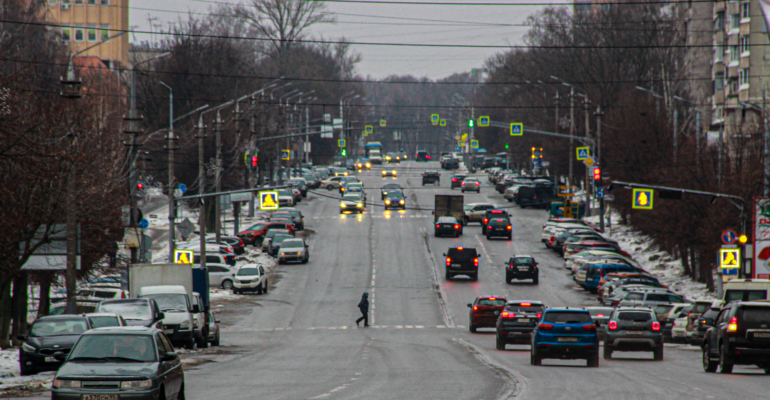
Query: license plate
point(523, 320)
point(567, 339)
point(523, 268)
point(52, 359)
point(168, 331)
point(100, 397)
point(762, 335)
point(456, 265)
point(634, 333)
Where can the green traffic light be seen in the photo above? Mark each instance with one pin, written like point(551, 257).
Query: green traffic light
point(344, 152)
point(470, 123)
point(506, 146)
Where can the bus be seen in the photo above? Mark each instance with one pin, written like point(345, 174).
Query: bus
point(373, 146)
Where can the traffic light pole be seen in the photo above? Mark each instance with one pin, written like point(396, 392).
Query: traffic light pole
point(599, 116)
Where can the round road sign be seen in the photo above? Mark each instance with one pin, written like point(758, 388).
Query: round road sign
point(729, 236)
point(182, 187)
point(144, 224)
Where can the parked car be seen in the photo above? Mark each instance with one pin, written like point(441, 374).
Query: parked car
point(136, 312)
point(251, 278)
point(103, 320)
point(293, 250)
point(255, 233)
point(47, 336)
point(213, 329)
point(269, 238)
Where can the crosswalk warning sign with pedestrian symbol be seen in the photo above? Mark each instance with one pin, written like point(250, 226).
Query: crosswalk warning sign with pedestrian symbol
point(642, 199)
point(434, 119)
point(517, 129)
point(285, 154)
point(369, 129)
point(268, 200)
point(183, 256)
point(484, 120)
point(583, 153)
point(729, 258)
point(341, 142)
point(474, 144)
point(443, 122)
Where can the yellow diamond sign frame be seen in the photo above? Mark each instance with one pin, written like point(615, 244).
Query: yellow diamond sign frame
point(268, 200)
point(642, 199)
point(730, 258)
point(184, 256)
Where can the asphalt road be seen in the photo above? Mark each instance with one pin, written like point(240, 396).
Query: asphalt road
point(300, 341)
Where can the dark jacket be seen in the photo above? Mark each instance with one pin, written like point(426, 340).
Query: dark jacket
point(363, 305)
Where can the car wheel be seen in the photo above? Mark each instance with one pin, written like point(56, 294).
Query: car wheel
point(181, 395)
point(500, 343)
point(203, 343)
point(508, 278)
point(657, 355)
point(267, 286)
point(725, 364)
point(259, 289)
point(216, 340)
point(227, 284)
point(593, 362)
point(607, 352)
point(27, 371)
point(472, 328)
point(190, 344)
point(330, 187)
point(535, 359)
point(536, 279)
point(708, 365)
point(280, 261)
point(510, 237)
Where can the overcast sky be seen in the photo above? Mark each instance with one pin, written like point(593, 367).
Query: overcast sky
point(391, 23)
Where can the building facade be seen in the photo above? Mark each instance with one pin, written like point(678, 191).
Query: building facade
point(85, 23)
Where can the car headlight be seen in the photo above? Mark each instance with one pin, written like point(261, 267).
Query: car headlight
point(143, 384)
point(368, 165)
point(387, 201)
point(383, 172)
point(346, 174)
point(359, 205)
point(402, 202)
point(29, 349)
point(283, 254)
point(394, 172)
point(65, 383)
point(184, 324)
point(342, 205)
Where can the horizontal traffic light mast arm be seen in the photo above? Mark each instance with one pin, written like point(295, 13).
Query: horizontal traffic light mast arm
point(255, 190)
point(584, 140)
point(714, 196)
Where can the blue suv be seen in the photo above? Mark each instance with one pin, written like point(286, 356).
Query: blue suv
point(567, 334)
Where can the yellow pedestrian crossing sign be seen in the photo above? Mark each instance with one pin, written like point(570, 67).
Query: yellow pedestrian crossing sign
point(729, 258)
point(443, 122)
point(517, 129)
point(268, 200)
point(183, 256)
point(474, 144)
point(642, 199)
point(484, 120)
point(434, 119)
point(383, 123)
point(369, 129)
point(285, 154)
point(583, 153)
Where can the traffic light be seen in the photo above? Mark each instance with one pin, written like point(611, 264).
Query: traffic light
point(139, 186)
point(533, 154)
point(597, 176)
point(471, 123)
point(541, 152)
point(506, 146)
point(344, 152)
point(254, 160)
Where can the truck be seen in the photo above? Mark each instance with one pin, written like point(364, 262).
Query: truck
point(182, 293)
point(448, 205)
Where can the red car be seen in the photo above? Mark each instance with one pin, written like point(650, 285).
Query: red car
point(484, 312)
point(256, 233)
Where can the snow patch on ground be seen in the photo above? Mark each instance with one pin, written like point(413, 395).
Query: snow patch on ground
point(12, 383)
point(659, 263)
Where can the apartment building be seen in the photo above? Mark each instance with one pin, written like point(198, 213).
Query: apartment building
point(88, 22)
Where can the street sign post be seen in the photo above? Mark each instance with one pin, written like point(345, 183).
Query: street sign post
point(484, 120)
point(434, 119)
point(642, 199)
point(583, 153)
point(268, 200)
point(517, 129)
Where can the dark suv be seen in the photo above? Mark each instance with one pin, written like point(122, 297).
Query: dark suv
point(431, 177)
point(701, 326)
point(633, 329)
point(521, 267)
point(489, 214)
point(451, 163)
point(739, 335)
point(47, 336)
point(484, 312)
point(422, 156)
point(457, 180)
point(499, 227)
point(517, 321)
point(565, 333)
point(462, 261)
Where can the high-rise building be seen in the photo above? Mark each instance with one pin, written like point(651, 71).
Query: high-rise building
point(87, 22)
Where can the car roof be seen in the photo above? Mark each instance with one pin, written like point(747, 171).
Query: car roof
point(522, 256)
point(568, 309)
point(490, 296)
point(481, 204)
point(102, 314)
point(122, 330)
point(646, 309)
point(60, 317)
point(134, 300)
point(514, 302)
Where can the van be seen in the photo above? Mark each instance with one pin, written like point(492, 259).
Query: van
point(174, 301)
point(596, 272)
point(746, 290)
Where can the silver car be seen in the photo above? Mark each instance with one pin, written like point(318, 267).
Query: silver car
point(294, 250)
point(213, 329)
point(221, 275)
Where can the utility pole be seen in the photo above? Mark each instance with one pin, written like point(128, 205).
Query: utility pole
point(571, 131)
point(766, 182)
point(587, 177)
point(556, 122)
point(697, 135)
point(71, 90)
point(218, 176)
point(720, 151)
point(599, 116)
point(201, 135)
point(171, 203)
point(676, 122)
point(252, 135)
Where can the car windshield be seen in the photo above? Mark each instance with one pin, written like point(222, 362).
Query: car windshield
point(499, 222)
point(121, 348)
point(447, 220)
point(293, 244)
point(392, 186)
point(395, 195)
point(634, 316)
point(169, 301)
point(467, 208)
point(281, 238)
point(284, 192)
point(523, 261)
point(101, 322)
point(471, 180)
point(518, 308)
point(567, 317)
point(257, 227)
point(490, 302)
point(352, 197)
point(756, 315)
point(461, 253)
point(135, 310)
point(59, 327)
point(248, 271)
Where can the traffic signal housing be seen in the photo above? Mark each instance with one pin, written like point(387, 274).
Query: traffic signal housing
point(139, 186)
point(597, 173)
point(344, 153)
point(471, 123)
point(254, 160)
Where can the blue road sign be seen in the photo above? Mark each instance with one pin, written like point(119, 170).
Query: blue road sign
point(517, 129)
point(474, 144)
point(144, 224)
point(457, 148)
point(582, 153)
point(484, 120)
point(600, 192)
point(182, 187)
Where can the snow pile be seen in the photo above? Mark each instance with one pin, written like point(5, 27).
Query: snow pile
point(9, 363)
point(659, 263)
point(11, 383)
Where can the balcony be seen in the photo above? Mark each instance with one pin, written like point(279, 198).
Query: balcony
point(719, 6)
point(719, 98)
point(744, 61)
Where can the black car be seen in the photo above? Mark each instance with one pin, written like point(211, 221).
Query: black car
point(462, 261)
point(388, 187)
point(738, 336)
point(499, 227)
point(451, 163)
point(431, 177)
point(457, 180)
point(128, 362)
point(517, 321)
point(448, 226)
point(422, 156)
point(395, 199)
point(47, 336)
point(490, 214)
point(136, 312)
point(537, 196)
point(522, 267)
point(633, 329)
point(702, 325)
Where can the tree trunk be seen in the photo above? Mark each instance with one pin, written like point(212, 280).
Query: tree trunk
point(686, 259)
point(5, 314)
point(20, 304)
point(44, 306)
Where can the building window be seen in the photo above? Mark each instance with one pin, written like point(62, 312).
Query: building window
point(66, 34)
point(63, 2)
point(52, 2)
point(105, 2)
point(91, 2)
point(719, 52)
point(78, 2)
point(92, 32)
point(744, 40)
point(606, 7)
point(746, 10)
point(743, 77)
point(735, 21)
point(105, 32)
point(734, 54)
point(582, 8)
point(79, 34)
point(719, 21)
point(719, 82)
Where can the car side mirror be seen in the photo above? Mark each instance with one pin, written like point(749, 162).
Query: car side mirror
point(59, 356)
point(444, 254)
point(470, 305)
point(169, 356)
point(217, 321)
point(196, 309)
point(708, 321)
point(159, 316)
point(21, 337)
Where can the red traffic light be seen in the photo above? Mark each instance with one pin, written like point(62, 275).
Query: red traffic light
point(597, 174)
point(253, 161)
point(140, 185)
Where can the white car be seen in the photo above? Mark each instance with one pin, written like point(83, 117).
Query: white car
point(285, 198)
point(353, 203)
point(250, 278)
point(293, 250)
point(331, 183)
point(551, 227)
point(221, 275)
point(99, 292)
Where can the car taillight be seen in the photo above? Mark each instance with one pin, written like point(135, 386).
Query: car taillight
point(454, 179)
point(733, 326)
point(510, 228)
point(457, 226)
point(448, 261)
point(428, 157)
point(539, 315)
point(507, 314)
point(656, 326)
point(475, 262)
point(589, 327)
point(463, 183)
point(613, 325)
point(525, 304)
point(477, 183)
point(486, 220)
point(438, 226)
point(489, 227)
point(544, 327)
